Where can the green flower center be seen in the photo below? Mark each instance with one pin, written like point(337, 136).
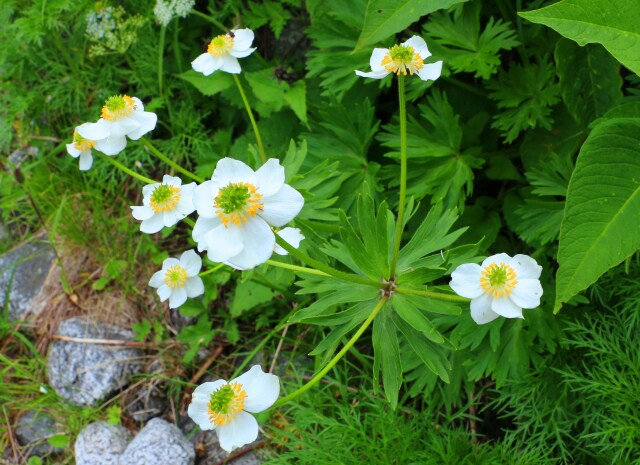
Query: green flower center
point(401, 53)
point(402, 59)
point(82, 144)
point(164, 198)
point(175, 276)
point(498, 280)
point(225, 403)
point(220, 45)
point(117, 107)
point(237, 200)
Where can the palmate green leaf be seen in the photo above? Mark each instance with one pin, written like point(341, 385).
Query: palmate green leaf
point(457, 39)
point(247, 295)
point(386, 349)
point(613, 23)
point(208, 85)
point(383, 18)
point(602, 214)
point(590, 80)
point(415, 318)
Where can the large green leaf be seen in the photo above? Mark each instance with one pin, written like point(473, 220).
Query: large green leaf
point(602, 214)
point(384, 18)
point(590, 80)
point(612, 23)
point(386, 350)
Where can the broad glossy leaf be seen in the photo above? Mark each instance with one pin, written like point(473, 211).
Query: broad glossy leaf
point(613, 23)
point(601, 225)
point(384, 18)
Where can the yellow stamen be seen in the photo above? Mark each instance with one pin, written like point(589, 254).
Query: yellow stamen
point(236, 201)
point(220, 45)
point(498, 280)
point(117, 107)
point(402, 59)
point(164, 198)
point(82, 144)
point(175, 276)
point(226, 403)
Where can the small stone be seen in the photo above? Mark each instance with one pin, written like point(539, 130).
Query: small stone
point(24, 270)
point(147, 401)
point(33, 429)
point(101, 444)
point(159, 443)
point(85, 372)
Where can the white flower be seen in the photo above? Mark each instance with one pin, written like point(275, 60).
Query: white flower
point(407, 57)
point(227, 407)
point(81, 147)
point(121, 116)
point(291, 235)
point(166, 10)
point(237, 208)
point(164, 204)
point(223, 52)
point(501, 286)
point(178, 279)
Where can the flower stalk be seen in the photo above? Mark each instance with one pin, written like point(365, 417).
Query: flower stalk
point(124, 169)
point(403, 174)
point(256, 131)
point(170, 162)
point(432, 294)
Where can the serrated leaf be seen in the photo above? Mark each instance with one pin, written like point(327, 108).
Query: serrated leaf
point(296, 99)
point(248, 295)
point(602, 213)
point(208, 85)
point(613, 23)
point(383, 18)
point(387, 355)
point(590, 81)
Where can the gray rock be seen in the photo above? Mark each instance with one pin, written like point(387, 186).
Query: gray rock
point(159, 443)
point(24, 270)
point(147, 401)
point(84, 373)
point(33, 429)
point(101, 444)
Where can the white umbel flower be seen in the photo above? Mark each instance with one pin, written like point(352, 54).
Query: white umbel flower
point(227, 406)
point(291, 235)
point(501, 286)
point(122, 117)
point(223, 52)
point(407, 57)
point(81, 147)
point(237, 209)
point(164, 204)
point(178, 279)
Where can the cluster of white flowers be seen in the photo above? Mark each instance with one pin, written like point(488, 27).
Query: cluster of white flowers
point(122, 117)
point(111, 30)
point(165, 10)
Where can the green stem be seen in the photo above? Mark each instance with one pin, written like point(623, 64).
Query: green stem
point(336, 358)
point(326, 268)
point(403, 174)
point(176, 45)
point(211, 19)
point(170, 162)
point(256, 131)
point(434, 295)
point(163, 33)
point(131, 173)
point(211, 270)
point(299, 269)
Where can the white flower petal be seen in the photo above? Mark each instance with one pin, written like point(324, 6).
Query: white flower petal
point(282, 207)
point(229, 170)
point(497, 259)
point(465, 280)
point(270, 177)
point(178, 297)
point(95, 131)
point(373, 74)
point(430, 71)
point(138, 103)
point(506, 308)
point(203, 392)
point(169, 262)
point(123, 126)
point(148, 189)
point(171, 217)
point(525, 267)
point(146, 122)
point(157, 279)
point(169, 180)
point(527, 293)
point(142, 213)
point(202, 227)
point(258, 240)
point(152, 225)
point(199, 413)
point(204, 198)
point(112, 145)
point(206, 64)
point(185, 205)
point(242, 53)
point(230, 64)
point(292, 235)
point(243, 429)
point(194, 287)
point(86, 160)
point(164, 292)
point(71, 150)
point(222, 243)
point(262, 389)
point(419, 46)
point(375, 62)
point(481, 310)
point(191, 262)
point(242, 39)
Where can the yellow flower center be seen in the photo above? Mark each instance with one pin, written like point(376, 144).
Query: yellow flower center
point(402, 59)
point(237, 200)
point(175, 276)
point(164, 198)
point(225, 403)
point(82, 144)
point(220, 45)
point(498, 280)
point(117, 107)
